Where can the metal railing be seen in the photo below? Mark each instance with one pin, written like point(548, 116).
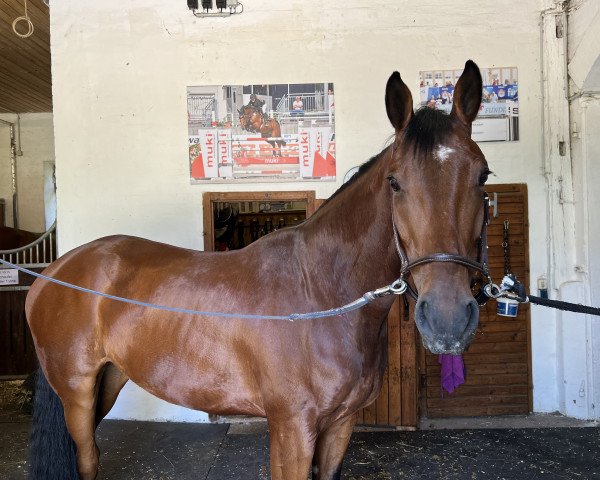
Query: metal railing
point(311, 103)
point(37, 254)
point(201, 109)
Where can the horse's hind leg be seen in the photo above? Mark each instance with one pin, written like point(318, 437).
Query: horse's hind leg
point(111, 380)
point(79, 403)
point(331, 447)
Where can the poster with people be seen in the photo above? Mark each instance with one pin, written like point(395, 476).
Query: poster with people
point(257, 133)
point(498, 118)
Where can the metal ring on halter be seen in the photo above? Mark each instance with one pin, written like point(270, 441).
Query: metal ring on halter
point(489, 290)
point(398, 287)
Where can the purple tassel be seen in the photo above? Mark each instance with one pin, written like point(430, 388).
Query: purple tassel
point(453, 371)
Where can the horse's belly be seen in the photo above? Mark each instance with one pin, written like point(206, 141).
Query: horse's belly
point(197, 382)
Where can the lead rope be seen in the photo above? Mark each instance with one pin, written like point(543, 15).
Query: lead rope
point(397, 287)
point(513, 289)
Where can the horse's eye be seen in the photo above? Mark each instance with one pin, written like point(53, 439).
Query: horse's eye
point(484, 176)
point(394, 184)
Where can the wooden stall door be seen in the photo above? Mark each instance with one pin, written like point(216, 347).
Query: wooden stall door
point(17, 352)
point(396, 405)
point(498, 362)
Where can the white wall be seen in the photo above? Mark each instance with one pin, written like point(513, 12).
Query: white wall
point(37, 145)
point(120, 71)
point(582, 360)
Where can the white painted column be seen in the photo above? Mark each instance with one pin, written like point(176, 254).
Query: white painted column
point(585, 117)
point(566, 279)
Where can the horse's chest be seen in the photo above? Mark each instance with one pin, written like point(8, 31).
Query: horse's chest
point(357, 377)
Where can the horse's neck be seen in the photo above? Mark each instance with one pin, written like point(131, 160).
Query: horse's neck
point(351, 236)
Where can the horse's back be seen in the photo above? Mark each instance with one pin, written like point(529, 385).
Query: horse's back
point(106, 265)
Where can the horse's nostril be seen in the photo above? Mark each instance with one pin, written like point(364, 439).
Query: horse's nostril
point(422, 318)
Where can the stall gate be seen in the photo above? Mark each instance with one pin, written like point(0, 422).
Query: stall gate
point(17, 353)
point(498, 362)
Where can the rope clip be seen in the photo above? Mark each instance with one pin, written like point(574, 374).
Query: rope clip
point(510, 287)
point(397, 287)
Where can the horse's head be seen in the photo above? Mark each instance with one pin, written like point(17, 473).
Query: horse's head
point(250, 118)
point(436, 175)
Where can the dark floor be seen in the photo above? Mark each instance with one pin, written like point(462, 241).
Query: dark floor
point(161, 451)
point(144, 450)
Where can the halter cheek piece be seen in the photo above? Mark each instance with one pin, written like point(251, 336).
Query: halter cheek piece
point(481, 265)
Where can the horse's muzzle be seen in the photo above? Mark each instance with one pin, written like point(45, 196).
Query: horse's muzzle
point(446, 327)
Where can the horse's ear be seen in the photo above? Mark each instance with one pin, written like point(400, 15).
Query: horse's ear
point(398, 102)
point(467, 94)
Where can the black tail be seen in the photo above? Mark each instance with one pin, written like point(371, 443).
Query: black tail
point(52, 450)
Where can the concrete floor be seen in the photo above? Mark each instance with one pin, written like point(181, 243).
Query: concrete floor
point(512, 448)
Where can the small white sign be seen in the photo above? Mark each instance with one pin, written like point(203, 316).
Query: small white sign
point(9, 276)
point(490, 129)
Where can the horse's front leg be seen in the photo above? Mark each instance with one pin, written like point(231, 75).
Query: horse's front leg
point(331, 447)
point(292, 443)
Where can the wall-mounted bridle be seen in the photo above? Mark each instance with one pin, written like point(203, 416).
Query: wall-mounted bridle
point(481, 265)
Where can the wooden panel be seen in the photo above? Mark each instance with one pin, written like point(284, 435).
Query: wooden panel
point(408, 367)
point(396, 404)
point(394, 390)
point(25, 77)
point(498, 362)
point(17, 353)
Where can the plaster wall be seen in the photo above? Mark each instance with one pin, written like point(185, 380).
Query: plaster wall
point(592, 178)
point(120, 72)
point(584, 75)
point(573, 198)
point(37, 145)
point(584, 37)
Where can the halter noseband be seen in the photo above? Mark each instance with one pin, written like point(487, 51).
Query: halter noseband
point(480, 266)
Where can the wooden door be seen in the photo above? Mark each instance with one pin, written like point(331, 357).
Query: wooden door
point(17, 352)
point(498, 362)
point(396, 405)
point(209, 199)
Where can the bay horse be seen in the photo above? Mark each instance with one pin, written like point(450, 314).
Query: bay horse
point(253, 120)
point(420, 195)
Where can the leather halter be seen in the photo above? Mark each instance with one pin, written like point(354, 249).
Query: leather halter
point(481, 265)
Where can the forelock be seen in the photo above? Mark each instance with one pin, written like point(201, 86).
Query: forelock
point(427, 128)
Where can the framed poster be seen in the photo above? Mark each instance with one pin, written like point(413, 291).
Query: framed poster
point(261, 133)
point(498, 118)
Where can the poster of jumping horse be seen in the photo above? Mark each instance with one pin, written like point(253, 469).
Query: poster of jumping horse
point(275, 132)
